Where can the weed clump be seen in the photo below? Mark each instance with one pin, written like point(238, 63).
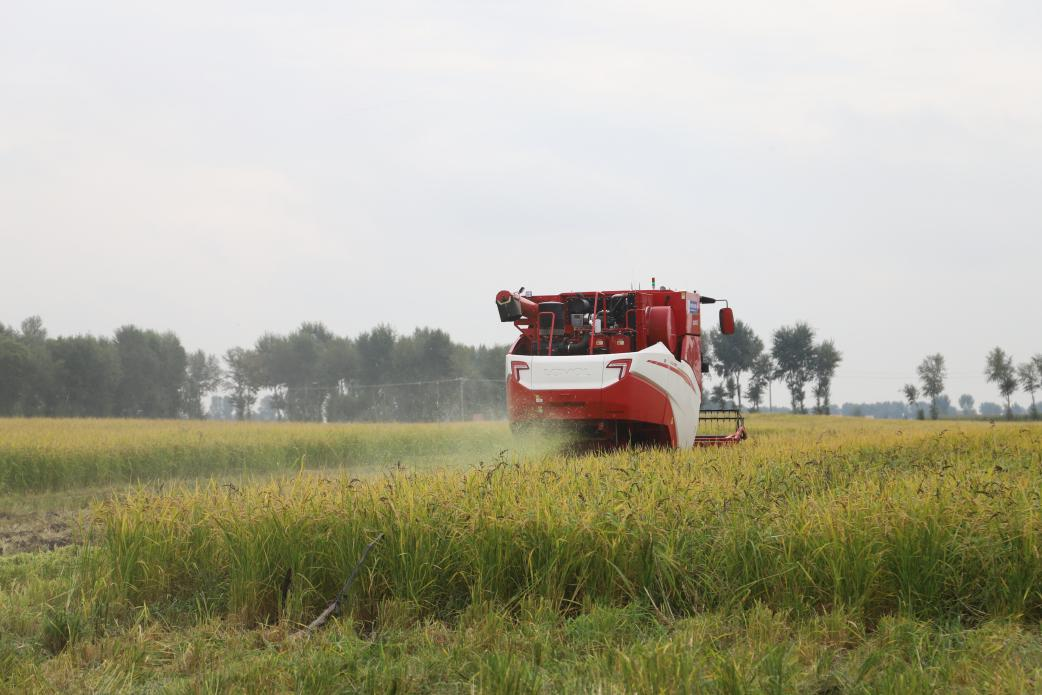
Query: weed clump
point(62, 627)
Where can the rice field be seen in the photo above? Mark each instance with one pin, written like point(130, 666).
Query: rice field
point(823, 555)
point(38, 455)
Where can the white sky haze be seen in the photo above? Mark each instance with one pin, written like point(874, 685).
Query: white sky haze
point(223, 169)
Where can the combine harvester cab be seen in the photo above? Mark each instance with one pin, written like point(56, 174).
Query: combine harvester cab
point(613, 368)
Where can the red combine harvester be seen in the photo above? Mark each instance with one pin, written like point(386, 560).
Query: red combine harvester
point(614, 367)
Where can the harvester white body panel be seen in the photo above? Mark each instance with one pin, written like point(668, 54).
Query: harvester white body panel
point(673, 384)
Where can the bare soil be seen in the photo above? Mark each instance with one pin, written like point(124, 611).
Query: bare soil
point(34, 531)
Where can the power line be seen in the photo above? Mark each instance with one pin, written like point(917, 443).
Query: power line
point(350, 386)
point(460, 379)
point(387, 396)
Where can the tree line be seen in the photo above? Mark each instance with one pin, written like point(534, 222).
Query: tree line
point(796, 358)
point(135, 373)
point(311, 374)
point(308, 374)
point(999, 370)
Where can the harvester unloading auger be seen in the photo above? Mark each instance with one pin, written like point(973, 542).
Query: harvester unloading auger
point(614, 367)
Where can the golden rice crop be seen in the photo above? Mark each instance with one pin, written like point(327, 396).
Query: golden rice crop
point(929, 520)
point(47, 454)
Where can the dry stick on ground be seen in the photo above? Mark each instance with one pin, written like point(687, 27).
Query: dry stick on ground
point(334, 607)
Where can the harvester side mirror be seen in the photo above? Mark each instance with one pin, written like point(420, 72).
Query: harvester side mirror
point(727, 321)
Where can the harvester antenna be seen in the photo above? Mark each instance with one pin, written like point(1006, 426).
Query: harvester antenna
point(521, 290)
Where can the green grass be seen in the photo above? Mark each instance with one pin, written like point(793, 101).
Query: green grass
point(533, 648)
point(823, 555)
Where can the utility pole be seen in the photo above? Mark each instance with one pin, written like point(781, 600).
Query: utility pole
point(461, 400)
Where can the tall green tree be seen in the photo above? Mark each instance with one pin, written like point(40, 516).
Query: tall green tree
point(793, 351)
point(481, 362)
point(152, 367)
point(203, 375)
point(999, 371)
point(15, 371)
point(1030, 378)
point(304, 369)
point(944, 405)
point(243, 378)
point(718, 396)
point(309, 387)
point(966, 403)
point(37, 395)
point(735, 354)
point(276, 367)
point(760, 377)
point(1036, 362)
point(33, 330)
point(339, 361)
point(932, 373)
point(376, 355)
point(826, 360)
point(87, 375)
point(911, 394)
point(427, 355)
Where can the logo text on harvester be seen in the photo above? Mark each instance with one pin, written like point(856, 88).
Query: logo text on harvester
point(568, 371)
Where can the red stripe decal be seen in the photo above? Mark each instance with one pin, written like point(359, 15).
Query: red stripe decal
point(676, 371)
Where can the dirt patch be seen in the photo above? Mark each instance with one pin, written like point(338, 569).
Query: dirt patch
point(33, 532)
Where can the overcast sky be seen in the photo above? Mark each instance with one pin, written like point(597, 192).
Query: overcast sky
point(222, 169)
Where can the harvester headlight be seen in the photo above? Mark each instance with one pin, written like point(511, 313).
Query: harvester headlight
point(623, 367)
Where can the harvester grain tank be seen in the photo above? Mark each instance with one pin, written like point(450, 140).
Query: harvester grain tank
point(614, 367)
